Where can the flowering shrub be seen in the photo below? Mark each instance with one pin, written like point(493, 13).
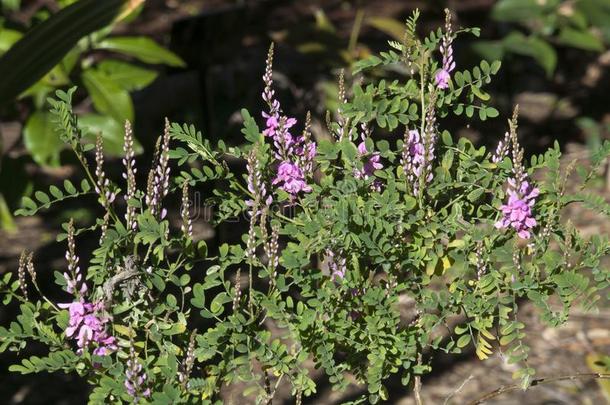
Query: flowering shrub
point(340, 231)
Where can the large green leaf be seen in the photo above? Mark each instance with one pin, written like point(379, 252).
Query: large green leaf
point(112, 132)
point(517, 10)
point(41, 140)
point(12, 5)
point(489, 50)
point(47, 43)
point(8, 37)
point(597, 12)
point(57, 77)
point(142, 48)
point(107, 96)
point(126, 75)
point(532, 46)
point(580, 39)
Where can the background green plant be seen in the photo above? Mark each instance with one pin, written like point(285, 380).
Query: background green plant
point(537, 28)
point(75, 45)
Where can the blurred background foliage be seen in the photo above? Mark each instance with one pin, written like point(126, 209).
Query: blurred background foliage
point(64, 44)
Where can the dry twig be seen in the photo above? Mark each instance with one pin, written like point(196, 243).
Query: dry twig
point(539, 381)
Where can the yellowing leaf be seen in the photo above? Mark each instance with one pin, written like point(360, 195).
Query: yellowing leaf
point(124, 330)
point(457, 243)
point(483, 348)
point(604, 385)
point(390, 26)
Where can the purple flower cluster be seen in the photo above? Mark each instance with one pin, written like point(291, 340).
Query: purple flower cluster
point(518, 212)
point(88, 327)
point(413, 158)
point(443, 76)
point(295, 154)
point(291, 179)
point(85, 324)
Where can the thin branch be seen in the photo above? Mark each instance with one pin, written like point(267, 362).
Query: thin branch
point(461, 387)
point(539, 381)
point(417, 385)
point(417, 390)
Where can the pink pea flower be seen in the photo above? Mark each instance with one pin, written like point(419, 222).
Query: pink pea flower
point(88, 328)
point(290, 178)
point(372, 163)
point(517, 213)
point(442, 77)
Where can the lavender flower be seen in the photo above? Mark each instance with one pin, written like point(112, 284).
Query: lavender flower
point(412, 159)
point(270, 244)
point(502, 149)
point(443, 76)
point(251, 241)
point(372, 162)
point(129, 162)
point(104, 227)
point(480, 263)
point(336, 264)
point(158, 179)
point(429, 142)
point(189, 361)
point(73, 276)
point(102, 185)
point(30, 267)
point(237, 296)
point(255, 183)
point(268, 92)
point(135, 381)
point(344, 128)
point(187, 225)
point(24, 260)
point(306, 149)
